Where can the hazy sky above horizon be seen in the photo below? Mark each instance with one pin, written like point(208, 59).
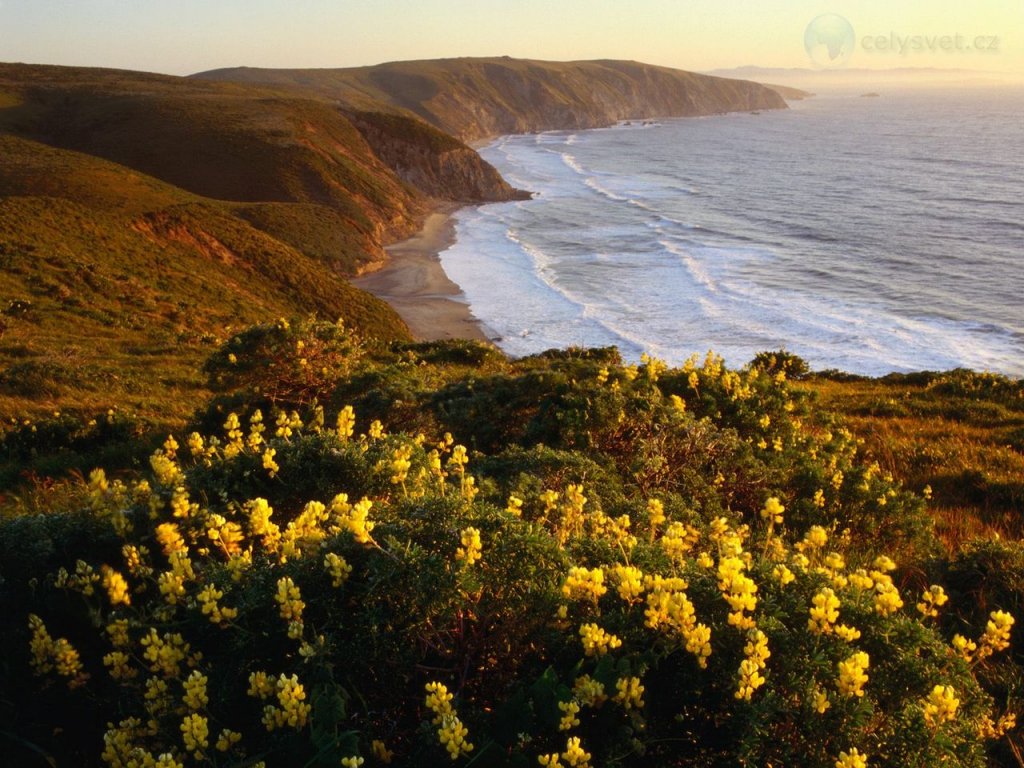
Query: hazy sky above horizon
point(187, 36)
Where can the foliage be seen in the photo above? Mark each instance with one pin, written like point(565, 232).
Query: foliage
point(637, 565)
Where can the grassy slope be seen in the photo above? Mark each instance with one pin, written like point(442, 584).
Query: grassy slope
point(117, 258)
point(473, 98)
point(962, 434)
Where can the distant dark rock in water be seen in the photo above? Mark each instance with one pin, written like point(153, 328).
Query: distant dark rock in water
point(755, 112)
point(870, 95)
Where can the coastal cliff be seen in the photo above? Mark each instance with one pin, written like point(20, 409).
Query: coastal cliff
point(155, 213)
point(433, 162)
point(478, 98)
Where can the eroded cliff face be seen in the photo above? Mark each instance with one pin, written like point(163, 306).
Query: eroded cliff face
point(433, 162)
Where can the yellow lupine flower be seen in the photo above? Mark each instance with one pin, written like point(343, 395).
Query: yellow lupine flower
point(195, 732)
point(630, 581)
point(120, 666)
point(116, 586)
point(195, 697)
point(574, 755)
point(824, 612)
point(227, 739)
point(346, 422)
point(852, 675)
point(292, 710)
point(783, 575)
point(584, 584)
point(338, 568)
point(932, 599)
point(269, 464)
point(821, 702)
point(597, 642)
point(772, 511)
point(570, 710)
point(852, 759)
point(849, 634)
point(940, 706)
point(629, 693)
point(289, 598)
point(471, 549)
point(997, 634)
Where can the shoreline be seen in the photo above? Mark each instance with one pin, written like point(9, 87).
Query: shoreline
point(414, 283)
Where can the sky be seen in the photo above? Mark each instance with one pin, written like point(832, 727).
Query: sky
point(186, 36)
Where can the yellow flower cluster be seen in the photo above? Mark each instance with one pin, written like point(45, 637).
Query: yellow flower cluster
point(346, 423)
point(852, 759)
point(655, 514)
point(289, 600)
point(354, 518)
point(575, 756)
point(824, 612)
point(84, 579)
point(116, 586)
point(165, 654)
point(400, 464)
point(597, 642)
point(208, 599)
point(119, 664)
point(739, 591)
point(172, 583)
point(670, 610)
point(338, 568)
point(292, 710)
point(629, 580)
point(570, 710)
point(195, 697)
point(54, 655)
point(932, 599)
point(756, 655)
point(471, 549)
point(772, 511)
point(269, 464)
point(584, 584)
point(224, 534)
point(679, 539)
point(629, 693)
point(852, 675)
point(940, 706)
point(195, 732)
point(997, 634)
point(451, 732)
point(227, 739)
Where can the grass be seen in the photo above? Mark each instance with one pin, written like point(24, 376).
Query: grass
point(959, 433)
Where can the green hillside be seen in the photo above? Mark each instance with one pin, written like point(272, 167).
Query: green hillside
point(144, 217)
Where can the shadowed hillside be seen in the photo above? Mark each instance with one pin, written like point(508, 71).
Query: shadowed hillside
point(144, 217)
point(477, 98)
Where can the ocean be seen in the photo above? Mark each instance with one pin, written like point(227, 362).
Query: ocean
point(870, 235)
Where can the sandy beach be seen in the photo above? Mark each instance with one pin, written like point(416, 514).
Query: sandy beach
point(414, 283)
